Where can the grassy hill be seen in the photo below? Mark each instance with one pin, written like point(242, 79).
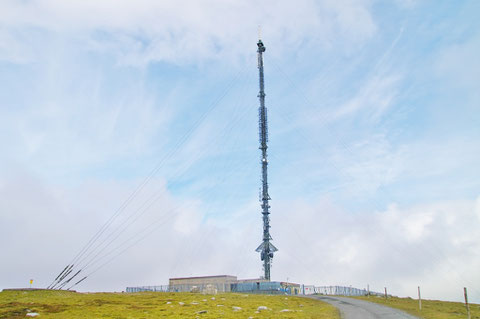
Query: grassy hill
point(63, 304)
point(431, 309)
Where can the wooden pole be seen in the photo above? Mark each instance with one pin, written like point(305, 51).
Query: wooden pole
point(419, 299)
point(385, 293)
point(368, 291)
point(466, 302)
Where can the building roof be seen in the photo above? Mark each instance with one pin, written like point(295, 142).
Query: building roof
point(205, 277)
point(253, 280)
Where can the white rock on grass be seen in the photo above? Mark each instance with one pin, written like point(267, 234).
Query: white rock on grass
point(32, 314)
point(219, 305)
point(181, 303)
point(285, 310)
point(262, 308)
point(194, 303)
point(169, 302)
point(236, 308)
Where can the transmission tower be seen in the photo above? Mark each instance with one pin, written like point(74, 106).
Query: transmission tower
point(266, 248)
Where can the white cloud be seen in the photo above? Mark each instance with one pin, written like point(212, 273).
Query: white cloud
point(477, 207)
point(145, 31)
point(74, 117)
point(368, 164)
point(402, 247)
point(373, 99)
point(319, 243)
point(374, 163)
point(187, 222)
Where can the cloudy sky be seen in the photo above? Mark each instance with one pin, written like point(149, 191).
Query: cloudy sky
point(142, 116)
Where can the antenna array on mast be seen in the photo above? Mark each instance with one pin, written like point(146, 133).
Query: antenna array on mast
point(266, 248)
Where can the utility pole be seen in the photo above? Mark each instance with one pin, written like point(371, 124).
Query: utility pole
point(266, 248)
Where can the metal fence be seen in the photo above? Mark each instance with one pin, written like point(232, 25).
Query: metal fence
point(265, 287)
point(338, 291)
point(211, 288)
point(164, 288)
point(262, 288)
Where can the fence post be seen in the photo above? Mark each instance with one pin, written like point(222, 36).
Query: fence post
point(466, 302)
point(385, 293)
point(368, 290)
point(419, 299)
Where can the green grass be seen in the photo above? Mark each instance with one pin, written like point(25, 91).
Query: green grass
point(62, 304)
point(431, 309)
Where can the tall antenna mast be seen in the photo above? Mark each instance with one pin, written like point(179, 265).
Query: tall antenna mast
point(266, 248)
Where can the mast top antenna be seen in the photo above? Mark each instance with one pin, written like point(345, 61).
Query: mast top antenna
point(261, 47)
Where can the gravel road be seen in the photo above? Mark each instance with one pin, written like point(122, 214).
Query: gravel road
point(358, 309)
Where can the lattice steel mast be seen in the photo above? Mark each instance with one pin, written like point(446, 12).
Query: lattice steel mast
point(266, 248)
